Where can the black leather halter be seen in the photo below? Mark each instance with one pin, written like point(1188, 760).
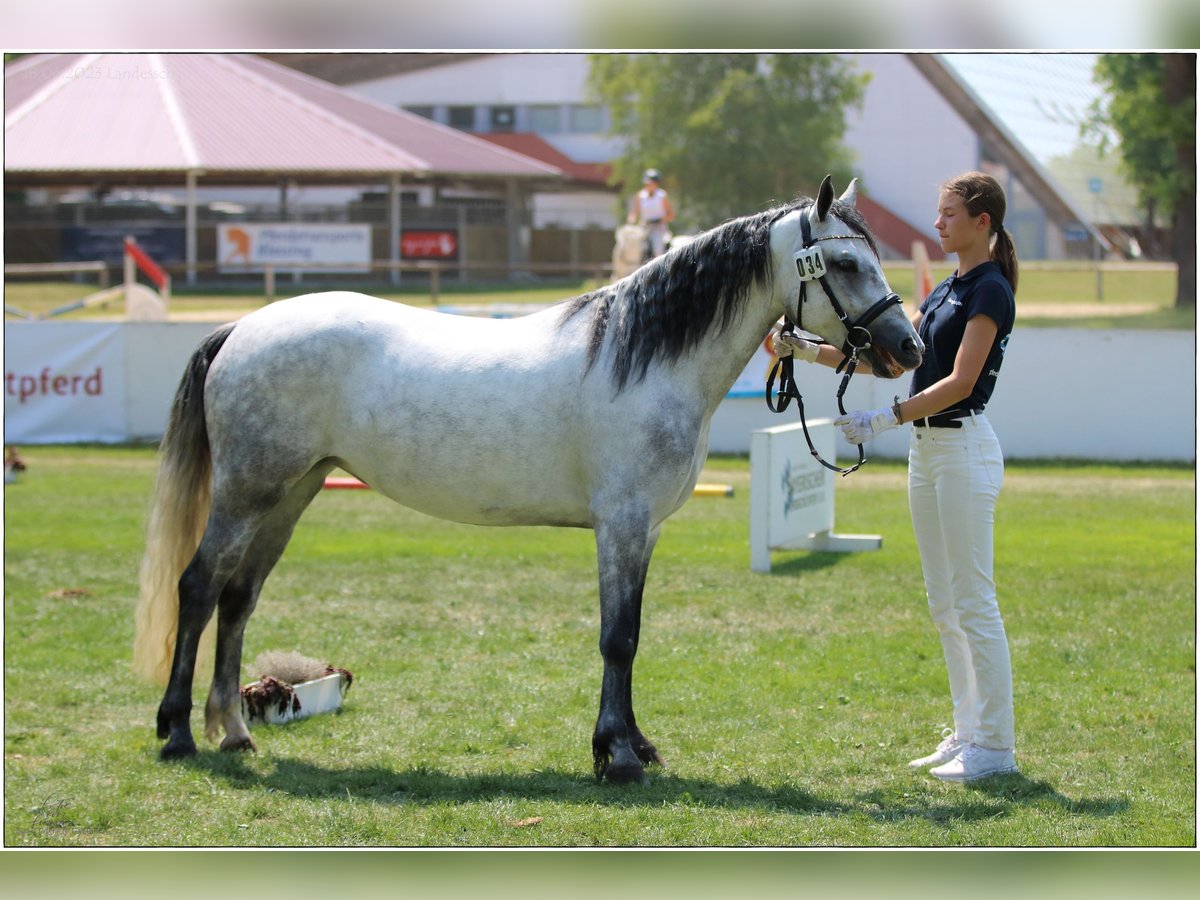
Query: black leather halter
point(858, 338)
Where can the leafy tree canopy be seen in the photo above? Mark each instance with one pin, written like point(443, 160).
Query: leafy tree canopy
point(1151, 125)
point(732, 133)
point(1152, 108)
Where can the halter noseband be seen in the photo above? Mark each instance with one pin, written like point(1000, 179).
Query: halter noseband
point(811, 265)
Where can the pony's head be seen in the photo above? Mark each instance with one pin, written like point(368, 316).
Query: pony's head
point(828, 269)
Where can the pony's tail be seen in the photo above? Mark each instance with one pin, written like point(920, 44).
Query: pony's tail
point(178, 509)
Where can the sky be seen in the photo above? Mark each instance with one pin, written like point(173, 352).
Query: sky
point(1041, 98)
point(593, 24)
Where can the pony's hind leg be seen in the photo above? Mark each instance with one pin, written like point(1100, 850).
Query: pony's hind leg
point(230, 530)
point(199, 587)
point(224, 706)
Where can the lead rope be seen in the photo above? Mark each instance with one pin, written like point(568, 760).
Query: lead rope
point(785, 369)
point(858, 338)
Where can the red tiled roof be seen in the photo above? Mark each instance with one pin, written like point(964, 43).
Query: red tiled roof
point(892, 231)
point(537, 147)
point(221, 113)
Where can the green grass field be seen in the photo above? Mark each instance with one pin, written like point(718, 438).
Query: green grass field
point(1047, 298)
point(786, 704)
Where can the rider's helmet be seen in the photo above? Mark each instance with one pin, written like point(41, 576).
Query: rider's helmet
point(651, 175)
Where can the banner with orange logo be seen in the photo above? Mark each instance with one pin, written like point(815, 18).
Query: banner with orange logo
point(245, 247)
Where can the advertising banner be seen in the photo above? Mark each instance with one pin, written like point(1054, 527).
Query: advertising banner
point(64, 382)
point(427, 244)
point(107, 243)
point(792, 495)
point(289, 247)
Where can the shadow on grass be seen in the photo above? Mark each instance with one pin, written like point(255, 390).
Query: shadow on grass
point(806, 562)
point(422, 786)
point(1019, 789)
point(972, 801)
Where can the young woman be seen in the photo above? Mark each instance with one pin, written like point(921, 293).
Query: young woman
point(955, 468)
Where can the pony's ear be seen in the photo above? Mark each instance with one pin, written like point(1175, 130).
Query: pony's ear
point(850, 195)
point(824, 198)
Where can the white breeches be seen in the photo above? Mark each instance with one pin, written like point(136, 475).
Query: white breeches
point(954, 478)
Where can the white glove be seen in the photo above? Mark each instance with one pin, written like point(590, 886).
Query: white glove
point(793, 345)
point(859, 427)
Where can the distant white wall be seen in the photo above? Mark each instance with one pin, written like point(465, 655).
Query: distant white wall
point(504, 79)
point(906, 139)
point(1062, 393)
point(591, 209)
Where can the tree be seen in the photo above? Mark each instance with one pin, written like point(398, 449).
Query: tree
point(732, 133)
point(1152, 109)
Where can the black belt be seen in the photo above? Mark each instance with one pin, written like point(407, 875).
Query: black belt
point(944, 420)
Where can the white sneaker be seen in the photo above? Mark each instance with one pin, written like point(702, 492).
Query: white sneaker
point(949, 748)
point(975, 762)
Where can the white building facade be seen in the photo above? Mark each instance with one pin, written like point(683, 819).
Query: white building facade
point(907, 137)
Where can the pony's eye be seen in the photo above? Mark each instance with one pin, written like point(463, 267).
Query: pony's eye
point(845, 265)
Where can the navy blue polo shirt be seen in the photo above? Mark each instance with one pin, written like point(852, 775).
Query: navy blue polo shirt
point(944, 316)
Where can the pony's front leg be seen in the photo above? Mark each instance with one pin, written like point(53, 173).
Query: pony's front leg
point(623, 550)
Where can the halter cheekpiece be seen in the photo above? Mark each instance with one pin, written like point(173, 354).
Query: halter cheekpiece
point(810, 262)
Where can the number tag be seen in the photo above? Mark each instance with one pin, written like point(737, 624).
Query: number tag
point(810, 263)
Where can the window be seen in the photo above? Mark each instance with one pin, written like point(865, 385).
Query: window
point(586, 119)
point(425, 112)
point(544, 120)
point(504, 118)
point(462, 117)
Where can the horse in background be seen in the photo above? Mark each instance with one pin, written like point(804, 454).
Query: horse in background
point(631, 248)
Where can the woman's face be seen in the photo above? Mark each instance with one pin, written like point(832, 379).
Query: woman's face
point(957, 229)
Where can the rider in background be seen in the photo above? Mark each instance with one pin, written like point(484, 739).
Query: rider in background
point(652, 208)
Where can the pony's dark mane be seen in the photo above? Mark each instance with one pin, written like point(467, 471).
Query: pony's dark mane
point(669, 305)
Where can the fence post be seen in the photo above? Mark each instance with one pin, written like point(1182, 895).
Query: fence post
point(462, 245)
point(269, 282)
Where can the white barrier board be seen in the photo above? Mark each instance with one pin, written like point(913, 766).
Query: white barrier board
point(792, 495)
point(64, 382)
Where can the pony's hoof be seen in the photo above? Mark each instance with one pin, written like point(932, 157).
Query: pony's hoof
point(625, 773)
point(177, 750)
point(233, 745)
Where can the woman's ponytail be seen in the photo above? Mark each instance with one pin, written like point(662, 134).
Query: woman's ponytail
point(1004, 254)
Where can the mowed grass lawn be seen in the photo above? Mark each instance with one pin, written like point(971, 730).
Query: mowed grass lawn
point(786, 705)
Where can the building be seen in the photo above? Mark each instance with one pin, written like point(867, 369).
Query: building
point(98, 145)
point(924, 117)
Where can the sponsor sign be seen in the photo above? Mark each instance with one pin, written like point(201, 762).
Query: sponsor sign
point(429, 244)
point(107, 243)
point(792, 495)
point(64, 382)
point(288, 247)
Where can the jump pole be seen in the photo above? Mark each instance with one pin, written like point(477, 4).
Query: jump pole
point(701, 490)
point(136, 256)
